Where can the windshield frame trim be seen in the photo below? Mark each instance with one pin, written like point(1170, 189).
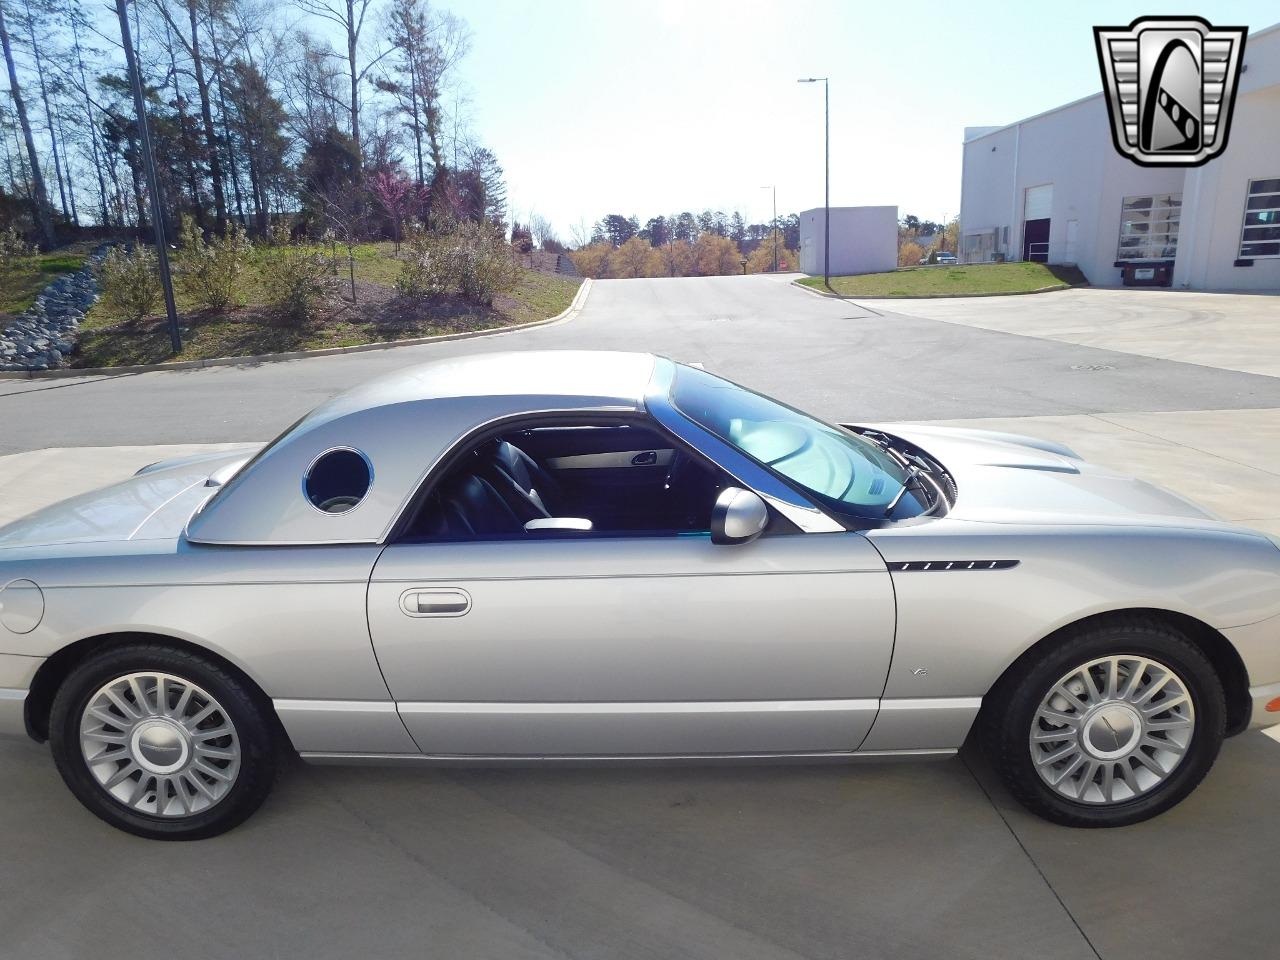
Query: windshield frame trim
point(773, 489)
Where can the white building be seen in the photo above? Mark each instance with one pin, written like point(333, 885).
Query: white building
point(1053, 188)
point(863, 240)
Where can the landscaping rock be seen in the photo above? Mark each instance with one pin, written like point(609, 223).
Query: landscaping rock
point(43, 334)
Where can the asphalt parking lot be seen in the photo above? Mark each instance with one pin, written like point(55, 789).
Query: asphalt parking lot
point(873, 860)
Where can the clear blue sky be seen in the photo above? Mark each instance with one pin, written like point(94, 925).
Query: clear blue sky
point(615, 106)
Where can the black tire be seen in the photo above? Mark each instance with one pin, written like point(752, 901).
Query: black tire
point(243, 707)
point(1010, 709)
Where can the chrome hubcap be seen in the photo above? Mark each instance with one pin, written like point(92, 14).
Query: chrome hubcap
point(1112, 729)
point(159, 744)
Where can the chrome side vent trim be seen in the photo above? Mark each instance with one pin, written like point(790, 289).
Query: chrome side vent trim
point(941, 566)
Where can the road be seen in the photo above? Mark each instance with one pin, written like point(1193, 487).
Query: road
point(874, 861)
point(857, 363)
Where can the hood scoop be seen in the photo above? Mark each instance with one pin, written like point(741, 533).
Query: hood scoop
point(1004, 478)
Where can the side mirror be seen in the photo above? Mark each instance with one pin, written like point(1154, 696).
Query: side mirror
point(739, 516)
point(558, 525)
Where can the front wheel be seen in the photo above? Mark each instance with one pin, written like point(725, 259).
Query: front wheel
point(1108, 726)
point(162, 743)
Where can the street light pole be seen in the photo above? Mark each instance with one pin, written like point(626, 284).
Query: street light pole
point(826, 206)
point(774, 188)
point(153, 185)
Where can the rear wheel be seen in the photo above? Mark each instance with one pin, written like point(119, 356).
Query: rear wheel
point(162, 743)
point(1108, 726)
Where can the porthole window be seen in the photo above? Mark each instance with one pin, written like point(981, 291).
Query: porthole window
point(338, 480)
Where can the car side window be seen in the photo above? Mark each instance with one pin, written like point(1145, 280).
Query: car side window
point(571, 480)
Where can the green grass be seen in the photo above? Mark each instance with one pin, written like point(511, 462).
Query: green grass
point(251, 328)
point(973, 280)
point(20, 286)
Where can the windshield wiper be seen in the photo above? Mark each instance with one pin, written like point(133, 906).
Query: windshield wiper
point(913, 474)
point(924, 481)
point(922, 471)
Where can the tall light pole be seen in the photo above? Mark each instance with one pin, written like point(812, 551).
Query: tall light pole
point(153, 185)
point(774, 231)
point(826, 205)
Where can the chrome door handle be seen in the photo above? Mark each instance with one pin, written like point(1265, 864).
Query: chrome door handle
point(435, 603)
point(646, 459)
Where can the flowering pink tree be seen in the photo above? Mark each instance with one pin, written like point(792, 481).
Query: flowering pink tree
point(396, 193)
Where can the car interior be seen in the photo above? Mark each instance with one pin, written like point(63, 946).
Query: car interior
point(625, 478)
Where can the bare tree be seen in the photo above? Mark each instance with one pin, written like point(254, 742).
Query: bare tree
point(311, 88)
point(350, 16)
point(41, 199)
point(38, 59)
point(218, 69)
point(580, 233)
point(71, 182)
point(542, 230)
point(344, 217)
point(75, 76)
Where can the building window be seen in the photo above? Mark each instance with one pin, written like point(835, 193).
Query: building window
point(1260, 236)
point(1149, 227)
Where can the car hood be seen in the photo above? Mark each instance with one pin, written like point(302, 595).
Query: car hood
point(1008, 478)
point(155, 503)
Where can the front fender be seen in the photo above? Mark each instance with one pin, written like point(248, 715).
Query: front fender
point(959, 629)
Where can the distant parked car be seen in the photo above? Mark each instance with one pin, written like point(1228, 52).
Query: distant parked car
point(943, 256)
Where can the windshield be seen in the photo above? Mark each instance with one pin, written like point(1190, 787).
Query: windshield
point(844, 472)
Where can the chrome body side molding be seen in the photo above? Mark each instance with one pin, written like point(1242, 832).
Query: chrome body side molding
point(703, 728)
point(489, 760)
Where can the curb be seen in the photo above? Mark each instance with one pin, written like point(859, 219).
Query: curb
point(579, 300)
point(942, 296)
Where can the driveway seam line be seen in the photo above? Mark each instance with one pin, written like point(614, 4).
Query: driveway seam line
point(1185, 446)
point(649, 884)
point(1030, 859)
point(422, 863)
point(1059, 339)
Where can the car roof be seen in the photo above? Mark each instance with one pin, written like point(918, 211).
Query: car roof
point(610, 377)
point(402, 424)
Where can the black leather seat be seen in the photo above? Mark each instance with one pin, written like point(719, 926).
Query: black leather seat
point(469, 506)
point(529, 490)
point(497, 491)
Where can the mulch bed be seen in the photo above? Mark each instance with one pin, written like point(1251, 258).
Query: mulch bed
point(379, 314)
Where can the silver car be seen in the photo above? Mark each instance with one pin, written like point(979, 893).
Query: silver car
point(580, 556)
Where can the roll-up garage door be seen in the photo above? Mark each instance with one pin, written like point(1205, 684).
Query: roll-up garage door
point(1036, 211)
point(1039, 205)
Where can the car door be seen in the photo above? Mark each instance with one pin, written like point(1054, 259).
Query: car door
point(634, 646)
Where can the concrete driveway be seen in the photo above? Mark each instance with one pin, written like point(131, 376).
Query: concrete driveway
point(881, 860)
point(1230, 331)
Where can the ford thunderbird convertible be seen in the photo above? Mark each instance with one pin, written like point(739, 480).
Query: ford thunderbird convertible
point(575, 557)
